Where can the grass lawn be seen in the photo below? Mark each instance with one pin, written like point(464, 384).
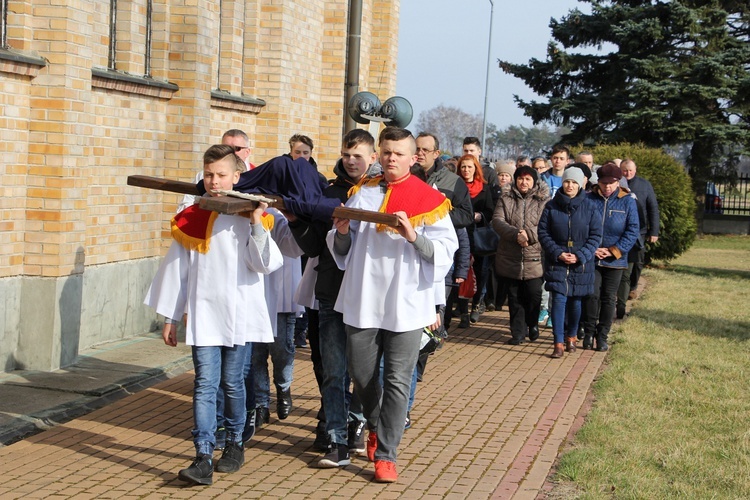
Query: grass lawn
point(671, 417)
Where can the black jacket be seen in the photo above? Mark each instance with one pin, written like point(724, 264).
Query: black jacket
point(454, 188)
point(311, 237)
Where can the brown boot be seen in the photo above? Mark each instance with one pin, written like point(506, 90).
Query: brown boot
point(558, 351)
point(570, 344)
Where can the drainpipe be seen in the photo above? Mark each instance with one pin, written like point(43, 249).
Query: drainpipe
point(354, 39)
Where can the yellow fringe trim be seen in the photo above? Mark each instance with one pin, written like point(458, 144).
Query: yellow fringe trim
point(425, 219)
point(365, 181)
point(191, 242)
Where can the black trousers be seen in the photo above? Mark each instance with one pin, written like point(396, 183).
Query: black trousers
point(599, 307)
point(524, 303)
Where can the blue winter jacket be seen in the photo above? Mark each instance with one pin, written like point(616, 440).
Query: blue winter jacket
point(621, 227)
point(569, 225)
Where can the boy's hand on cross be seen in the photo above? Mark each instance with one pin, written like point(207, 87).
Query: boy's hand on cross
point(257, 214)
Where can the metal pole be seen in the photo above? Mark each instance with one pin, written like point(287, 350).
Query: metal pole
point(487, 80)
point(354, 38)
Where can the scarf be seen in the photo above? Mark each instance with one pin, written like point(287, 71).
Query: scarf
point(475, 187)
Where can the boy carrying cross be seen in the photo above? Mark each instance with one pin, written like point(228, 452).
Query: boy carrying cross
point(215, 271)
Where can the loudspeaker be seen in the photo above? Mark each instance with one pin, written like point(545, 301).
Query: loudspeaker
point(397, 112)
point(363, 103)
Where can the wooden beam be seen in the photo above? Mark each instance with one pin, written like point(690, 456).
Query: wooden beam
point(231, 206)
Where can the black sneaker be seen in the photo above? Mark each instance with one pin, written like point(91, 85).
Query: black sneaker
point(356, 438)
point(249, 431)
point(407, 423)
point(321, 443)
point(337, 457)
point(232, 458)
point(201, 471)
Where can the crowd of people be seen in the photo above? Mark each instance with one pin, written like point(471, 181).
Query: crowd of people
point(561, 240)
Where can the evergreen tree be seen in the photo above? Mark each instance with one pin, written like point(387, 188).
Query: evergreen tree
point(666, 73)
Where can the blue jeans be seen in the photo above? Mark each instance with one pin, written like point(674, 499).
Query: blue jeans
point(217, 366)
point(565, 311)
point(337, 402)
point(282, 356)
point(384, 406)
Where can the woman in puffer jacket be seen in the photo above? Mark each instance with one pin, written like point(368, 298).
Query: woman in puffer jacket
point(621, 227)
point(518, 261)
point(570, 232)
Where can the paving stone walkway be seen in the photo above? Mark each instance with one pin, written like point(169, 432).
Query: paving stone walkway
point(488, 422)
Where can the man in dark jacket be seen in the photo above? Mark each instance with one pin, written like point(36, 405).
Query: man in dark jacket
point(472, 146)
point(448, 183)
point(357, 157)
point(648, 217)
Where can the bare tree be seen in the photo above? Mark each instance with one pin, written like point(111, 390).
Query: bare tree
point(450, 125)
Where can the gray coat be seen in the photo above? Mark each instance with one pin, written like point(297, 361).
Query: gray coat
point(514, 212)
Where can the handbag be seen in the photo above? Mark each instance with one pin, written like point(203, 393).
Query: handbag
point(486, 241)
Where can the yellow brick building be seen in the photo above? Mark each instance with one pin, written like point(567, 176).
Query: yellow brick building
point(92, 91)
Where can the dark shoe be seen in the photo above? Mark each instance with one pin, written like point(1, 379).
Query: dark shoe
point(322, 443)
point(407, 422)
point(580, 333)
point(557, 352)
point(588, 342)
point(620, 310)
point(338, 456)
point(490, 306)
point(464, 323)
point(474, 316)
point(232, 458)
point(201, 471)
point(283, 403)
point(249, 431)
point(300, 339)
point(570, 344)
point(514, 341)
point(601, 343)
point(533, 333)
point(356, 437)
point(221, 438)
point(262, 416)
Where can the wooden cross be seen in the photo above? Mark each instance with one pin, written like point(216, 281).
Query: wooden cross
point(231, 206)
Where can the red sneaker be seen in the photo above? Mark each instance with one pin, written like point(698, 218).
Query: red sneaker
point(372, 445)
point(385, 472)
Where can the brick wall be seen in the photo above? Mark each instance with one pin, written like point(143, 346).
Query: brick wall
point(73, 131)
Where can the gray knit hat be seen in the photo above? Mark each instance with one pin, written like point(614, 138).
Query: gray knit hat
point(575, 174)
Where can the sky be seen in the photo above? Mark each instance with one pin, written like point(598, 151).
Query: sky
point(443, 53)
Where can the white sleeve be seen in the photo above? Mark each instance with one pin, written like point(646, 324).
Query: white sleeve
point(168, 292)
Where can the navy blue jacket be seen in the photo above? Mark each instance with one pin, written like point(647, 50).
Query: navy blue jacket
point(619, 215)
point(569, 225)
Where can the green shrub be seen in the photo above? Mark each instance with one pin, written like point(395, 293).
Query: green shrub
point(673, 192)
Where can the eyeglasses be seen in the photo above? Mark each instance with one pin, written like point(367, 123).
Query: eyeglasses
point(423, 150)
point(237, 149)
